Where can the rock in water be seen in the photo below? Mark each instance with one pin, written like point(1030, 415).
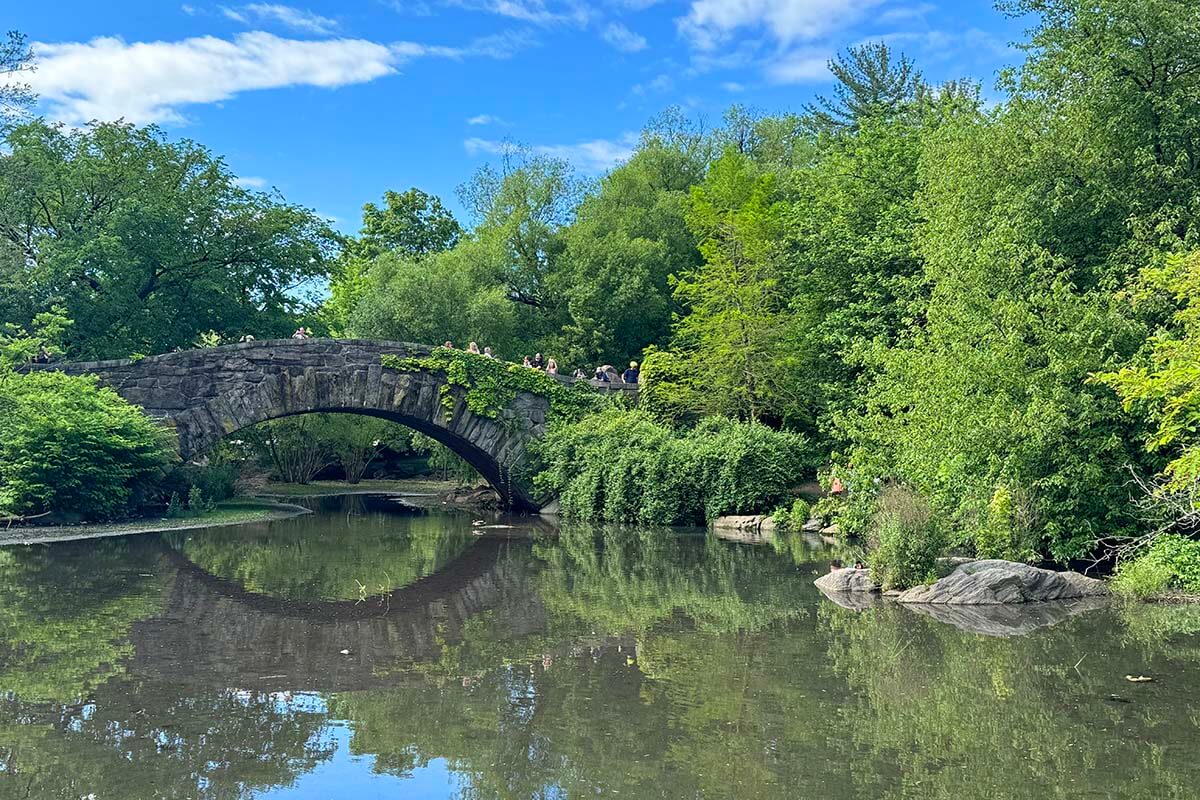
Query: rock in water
point(995, 582)
point(846, 580)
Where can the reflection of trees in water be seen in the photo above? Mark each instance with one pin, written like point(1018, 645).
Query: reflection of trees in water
point(619, 693)
point(964, 715)
point(627, 580)
point(330, 557)
point(66, 611)
point(134, 741)
point(636, 664)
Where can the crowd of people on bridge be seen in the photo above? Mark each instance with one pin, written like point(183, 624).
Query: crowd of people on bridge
point(605, 373)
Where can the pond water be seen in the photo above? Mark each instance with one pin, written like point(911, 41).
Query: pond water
point(367, 651)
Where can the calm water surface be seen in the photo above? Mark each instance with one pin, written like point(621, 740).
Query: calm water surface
point(366, 652)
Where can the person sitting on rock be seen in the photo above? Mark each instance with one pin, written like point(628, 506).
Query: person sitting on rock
point(602, 375)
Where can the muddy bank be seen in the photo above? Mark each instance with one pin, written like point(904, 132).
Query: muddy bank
point(238, 512)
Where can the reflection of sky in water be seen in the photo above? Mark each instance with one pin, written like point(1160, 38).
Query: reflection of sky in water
point(346, 775)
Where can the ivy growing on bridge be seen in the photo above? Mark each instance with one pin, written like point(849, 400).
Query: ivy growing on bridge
point(490, 385)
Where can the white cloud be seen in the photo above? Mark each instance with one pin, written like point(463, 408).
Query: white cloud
point(250, 182)
point(623, 39)
point(900, 13)
point(710, 23)
point(295, 18)
point(592, 157)
point(538, 12)
point(485, 119)
point(733, 86)
point(938, 45)
point(800, 66)
point(661, 83)
point(143, 82)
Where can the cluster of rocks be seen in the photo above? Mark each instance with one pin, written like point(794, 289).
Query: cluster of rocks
point(991, 596)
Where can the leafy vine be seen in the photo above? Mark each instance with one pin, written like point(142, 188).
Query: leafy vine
point(490, 385)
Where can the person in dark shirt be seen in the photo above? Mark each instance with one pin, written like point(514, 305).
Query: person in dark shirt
point(630, 375)
point(538, 362)
point(601, 374)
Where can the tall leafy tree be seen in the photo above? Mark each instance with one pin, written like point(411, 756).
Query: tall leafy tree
point(16, 96)
point(146, 243)
point(731, 343)
point(410, 225)
point(628, 238)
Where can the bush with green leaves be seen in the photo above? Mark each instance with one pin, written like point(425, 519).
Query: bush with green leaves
point(1006, 530)
point(1171, 564)
point(70, 446)
point(626, 466)
point(789, 519)
point(905, 541)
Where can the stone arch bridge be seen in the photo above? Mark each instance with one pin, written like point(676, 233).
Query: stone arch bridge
point(207, 394)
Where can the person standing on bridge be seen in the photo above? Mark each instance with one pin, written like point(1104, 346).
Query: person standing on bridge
point(449, 345)
point(473, 348)
point(538, 363)
point(602, 375)
point(631, 375)
point(551, 367)
point(487, 353)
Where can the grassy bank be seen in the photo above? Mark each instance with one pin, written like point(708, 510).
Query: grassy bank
point(230, 512)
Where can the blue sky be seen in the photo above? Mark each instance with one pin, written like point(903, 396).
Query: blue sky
point(334, 102)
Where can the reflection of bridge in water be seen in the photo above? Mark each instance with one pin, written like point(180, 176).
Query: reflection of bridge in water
point(213, 631)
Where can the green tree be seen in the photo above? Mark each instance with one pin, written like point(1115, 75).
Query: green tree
point(1162, 383)
point(869, 85)
point(732, 339)
point(146, 243)
point(409, 226)
point(1034, 214)
point(16, 96)
point(628, 238)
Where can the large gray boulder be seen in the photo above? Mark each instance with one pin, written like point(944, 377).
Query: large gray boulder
point(849, 588)
point(995, 582)
point(846, 580)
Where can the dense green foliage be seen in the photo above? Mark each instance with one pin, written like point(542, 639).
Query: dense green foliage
point(1171, 564)
point(905, 540)
point(145, 243)
point(489, 385)
point(70, 446)
point(624, 466)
